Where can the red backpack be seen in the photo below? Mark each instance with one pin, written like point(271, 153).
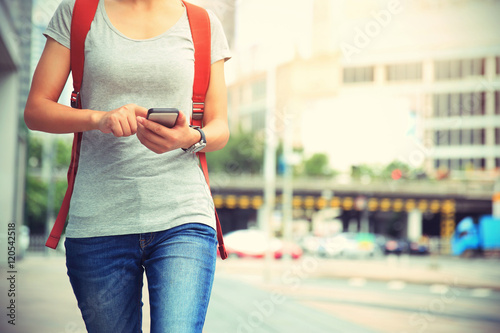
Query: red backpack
point(83, 15)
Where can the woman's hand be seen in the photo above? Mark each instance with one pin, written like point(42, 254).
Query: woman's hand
point(121, 121)
point(161, 139)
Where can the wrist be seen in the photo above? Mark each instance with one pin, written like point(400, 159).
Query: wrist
point(94, 119)
point(194, 137)
point(198, 145)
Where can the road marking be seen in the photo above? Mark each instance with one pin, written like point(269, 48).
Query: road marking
point(480, 292)
point(396, 285)
point(439, 289)
point(357, 282)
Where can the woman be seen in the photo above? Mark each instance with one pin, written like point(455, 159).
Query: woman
point(140, 202)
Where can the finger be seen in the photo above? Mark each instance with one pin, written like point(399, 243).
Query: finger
point(141, 111)
point(116, 129)
point(143, 138)
point(125, 126)
point(146, 135)
point(152, 126)
point(162, 142)
point(132, 121)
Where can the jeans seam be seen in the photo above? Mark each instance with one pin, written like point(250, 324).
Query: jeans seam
point(144, 242)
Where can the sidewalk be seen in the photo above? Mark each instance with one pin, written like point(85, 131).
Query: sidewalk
point(45, 302)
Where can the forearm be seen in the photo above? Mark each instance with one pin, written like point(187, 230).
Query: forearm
point(48, 116)
point(217, 135)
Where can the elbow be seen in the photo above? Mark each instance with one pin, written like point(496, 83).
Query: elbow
point(225, 140)
point(29, 119)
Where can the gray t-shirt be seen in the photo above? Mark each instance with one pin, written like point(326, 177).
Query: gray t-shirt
point(121, 186)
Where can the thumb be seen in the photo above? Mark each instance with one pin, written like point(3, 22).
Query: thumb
point(182, 120)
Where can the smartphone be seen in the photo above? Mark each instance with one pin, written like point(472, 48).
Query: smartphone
point(164, 116)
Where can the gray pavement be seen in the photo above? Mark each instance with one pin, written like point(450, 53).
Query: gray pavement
point(242, 300)
point(429, 270)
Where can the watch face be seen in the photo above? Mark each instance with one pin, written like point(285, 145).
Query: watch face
point(199, 146)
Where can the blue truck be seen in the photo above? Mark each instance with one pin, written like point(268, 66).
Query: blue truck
point(471, 239)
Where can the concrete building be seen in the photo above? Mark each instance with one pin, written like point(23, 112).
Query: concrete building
point(15, 37)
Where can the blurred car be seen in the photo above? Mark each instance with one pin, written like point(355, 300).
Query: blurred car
point(405, 246)
point(346, 244)
point(396, 246)
point(358, 244)
point(253, 243)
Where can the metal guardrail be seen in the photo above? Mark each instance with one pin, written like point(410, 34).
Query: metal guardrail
point(475, 188)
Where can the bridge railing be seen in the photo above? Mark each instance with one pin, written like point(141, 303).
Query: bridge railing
point(473, 188)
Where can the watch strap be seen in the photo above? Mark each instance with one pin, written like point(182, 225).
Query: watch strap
point(197, 146)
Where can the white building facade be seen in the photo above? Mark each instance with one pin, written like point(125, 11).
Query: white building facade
point(417, 81)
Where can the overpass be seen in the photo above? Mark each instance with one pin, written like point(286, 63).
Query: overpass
point(435, 205)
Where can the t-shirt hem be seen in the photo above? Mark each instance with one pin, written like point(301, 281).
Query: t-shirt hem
point(86, 233)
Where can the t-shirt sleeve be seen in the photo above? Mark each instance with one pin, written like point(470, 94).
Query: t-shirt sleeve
point(59, 27)
point(220, 47)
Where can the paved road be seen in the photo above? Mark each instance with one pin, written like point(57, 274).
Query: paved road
point(312, 295)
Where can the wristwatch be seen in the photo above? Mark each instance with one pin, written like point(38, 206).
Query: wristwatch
point(198, 145)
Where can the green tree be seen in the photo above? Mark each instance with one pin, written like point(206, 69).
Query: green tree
point(37, 189)
point(358, 171)
point(318, 165)
point(36, 204)
point(63, 153)
point(243, 154)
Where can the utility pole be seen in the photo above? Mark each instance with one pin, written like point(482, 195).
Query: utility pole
point(287, 185)
point(269, 167)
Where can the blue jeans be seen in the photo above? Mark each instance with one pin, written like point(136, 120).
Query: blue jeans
point(106, 275)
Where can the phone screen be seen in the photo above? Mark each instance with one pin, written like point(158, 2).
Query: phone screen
point(164, 116)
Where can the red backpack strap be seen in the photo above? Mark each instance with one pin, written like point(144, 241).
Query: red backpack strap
point(199, 22)
point(83, 15)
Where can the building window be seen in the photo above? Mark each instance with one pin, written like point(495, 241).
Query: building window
point(463, 104)
point(458, 68)
point(437, 135)
point(442, 138)
point(435, 105)
point(497, 160)
point(455, 137)
point(479, 103)
point(466, 137)
point(498, 65)
point(404, 72)
point(466, 104)
point(442, 163)
point(497, 101)
point(441, 105)
point(497, 136)
point(455, 105)
point(358, 74)
point(482, 163)
point(478, 136)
